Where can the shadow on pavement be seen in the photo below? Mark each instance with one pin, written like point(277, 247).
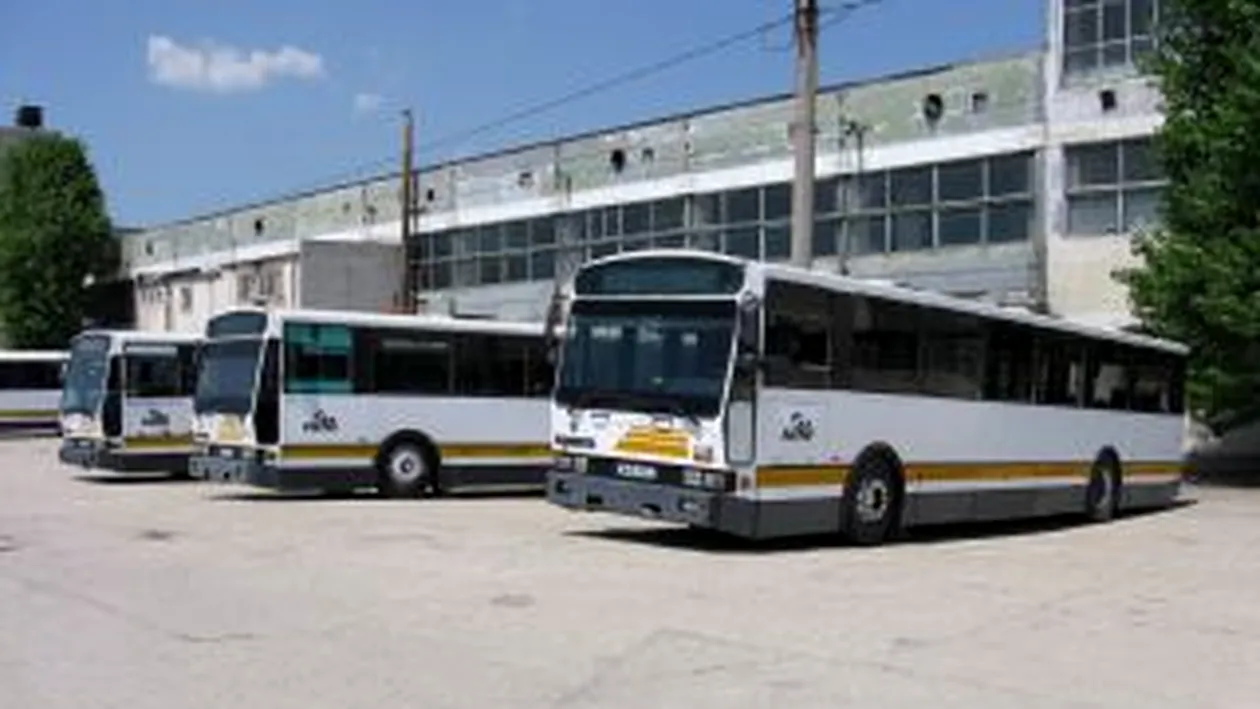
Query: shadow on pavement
point(134, 479)
point(1223, 470)
point(708, 541)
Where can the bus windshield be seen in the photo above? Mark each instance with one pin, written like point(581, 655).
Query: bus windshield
point(84, 386)
point(226, 381)
point(658, 355)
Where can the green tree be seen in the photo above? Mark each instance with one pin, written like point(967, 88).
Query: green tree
point(55, 235)
point(1199, 281)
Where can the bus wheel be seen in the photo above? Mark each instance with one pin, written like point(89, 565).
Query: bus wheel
point(1102, 496)
point(870, 501)
point(406, 469)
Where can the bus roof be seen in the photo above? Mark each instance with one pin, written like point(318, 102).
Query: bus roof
point(33, 355)
point(427, 321)
point(891, 291)
point(143, 336)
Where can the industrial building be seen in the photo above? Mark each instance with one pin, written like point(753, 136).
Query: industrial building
point(1017, 179)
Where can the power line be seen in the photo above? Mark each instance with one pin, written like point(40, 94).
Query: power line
point(835, 13)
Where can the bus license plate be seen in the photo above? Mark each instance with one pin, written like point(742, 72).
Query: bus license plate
point(636, 471)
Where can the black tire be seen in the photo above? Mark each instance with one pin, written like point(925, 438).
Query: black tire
point(872, 501)
point(1102, 495)
point(406, 467)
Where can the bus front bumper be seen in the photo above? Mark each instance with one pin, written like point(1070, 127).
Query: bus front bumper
point(241, 470)
point(245, 467)
point(698, 508)
point(96, 454)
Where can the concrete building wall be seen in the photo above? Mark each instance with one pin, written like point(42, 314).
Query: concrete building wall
point(350, 276)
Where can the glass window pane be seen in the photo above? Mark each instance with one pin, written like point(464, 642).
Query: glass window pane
point(1115, 22)
point(1093, 165)
point(743, 242)
point(706, 209)
point(825, 195)
point(1142, 16)
point(705, 241)
point(743, 206)
point(612, 221)
point(912, 186)
point(1094, 214)
point(669, 241)
point(465, 272)
point(872, 191)
point(542, 231)
point(517, 268)
point(1009, 222)
point(634, 218)
point(490, 268)
point(1141, 209)
point(464, 242)
point(960, 181)
point(667, 214)
point(778, 242)
point(1080, 27)
point(517, 234)
point(959, 226)
point(489, 238)
point(779, 201)
point(912, 231)
point(1141, 49)
point(1081, 60)
point(594, 225)
point(1010, 174)
point(441, 244)
point(603, 248)
point(440, 276)
point(825, 243)
point(868, 235)
point(542, 264)
point(635, 244)
point(1115, 54)
point(1140, 162)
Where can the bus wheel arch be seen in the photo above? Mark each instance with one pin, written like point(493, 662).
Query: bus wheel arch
point(874, 496)
point(1103, 490)
point(407, 465)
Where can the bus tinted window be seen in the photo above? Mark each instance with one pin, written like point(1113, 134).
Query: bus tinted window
point(885, 341)
point(30, 375)
point(318, 359)
point(410, 363)
point(154, 376)
point(1107, 377)
point(660, 276)
point(953, 354)
point(799, 328)
point(1009, 375)
point(1060, 371)
point(236, 324)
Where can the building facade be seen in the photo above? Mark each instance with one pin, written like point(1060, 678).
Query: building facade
point(1018, 179)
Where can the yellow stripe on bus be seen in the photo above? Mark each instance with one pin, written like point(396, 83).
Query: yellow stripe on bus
point(323, 451)
point(149, 442)
point(27, 414)
point(801, 475)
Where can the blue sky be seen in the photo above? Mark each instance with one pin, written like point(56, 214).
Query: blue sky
point(178, 129)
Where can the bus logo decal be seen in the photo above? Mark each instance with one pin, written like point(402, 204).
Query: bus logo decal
point(799, 428)
point(320, 422)
point(155, 418)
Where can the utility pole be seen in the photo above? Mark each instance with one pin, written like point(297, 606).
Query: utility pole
point(806, 33)
point(407, 213)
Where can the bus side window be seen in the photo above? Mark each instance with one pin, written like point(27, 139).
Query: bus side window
point(318, 359)
point(539, 371)
point(1009, 375)
point(1107, 377)
point(885, 345)
point(406, 362)
point(953, 354)
point(798, 337)
point(154, 376)
point(1060, 370)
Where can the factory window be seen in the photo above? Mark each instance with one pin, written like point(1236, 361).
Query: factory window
point(976, 201)
point(1099, 34)
point(1112, 188)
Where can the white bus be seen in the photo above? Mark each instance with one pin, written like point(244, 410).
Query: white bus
point(126, 401)
point(30, 384)
point(765, 400)
point(406, 404)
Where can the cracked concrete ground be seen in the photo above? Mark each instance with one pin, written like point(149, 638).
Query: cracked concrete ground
point(159, 594)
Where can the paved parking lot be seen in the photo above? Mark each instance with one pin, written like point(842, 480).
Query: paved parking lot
point(153, 594)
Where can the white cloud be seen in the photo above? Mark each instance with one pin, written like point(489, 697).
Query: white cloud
point(221, 68)
point(367, 103)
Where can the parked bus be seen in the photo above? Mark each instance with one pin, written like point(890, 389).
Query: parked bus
point(126, 401)
point(30, 384)
point(336, 401)
point(765, 400)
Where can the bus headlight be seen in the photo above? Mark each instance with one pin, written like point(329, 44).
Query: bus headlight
point(703, 453)
point(570, 464)
point(704, 479)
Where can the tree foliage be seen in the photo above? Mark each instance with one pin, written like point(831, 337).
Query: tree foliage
point(54, 235)
point(1200, 276)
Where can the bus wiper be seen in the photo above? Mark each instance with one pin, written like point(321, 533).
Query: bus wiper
point(682, 411)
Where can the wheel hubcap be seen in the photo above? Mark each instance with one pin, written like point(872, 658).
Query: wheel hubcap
point(406, 466)
point(872, 500)
point(1104, 489)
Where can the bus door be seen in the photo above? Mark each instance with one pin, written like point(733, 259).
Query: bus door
point(741, 407)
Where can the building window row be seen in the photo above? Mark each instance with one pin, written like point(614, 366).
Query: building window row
point(1112, 188)
point(1107, 33)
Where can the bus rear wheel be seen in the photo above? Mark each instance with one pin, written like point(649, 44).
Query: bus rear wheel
point(871, 501)
point(407, 468)
point(1102, 496)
